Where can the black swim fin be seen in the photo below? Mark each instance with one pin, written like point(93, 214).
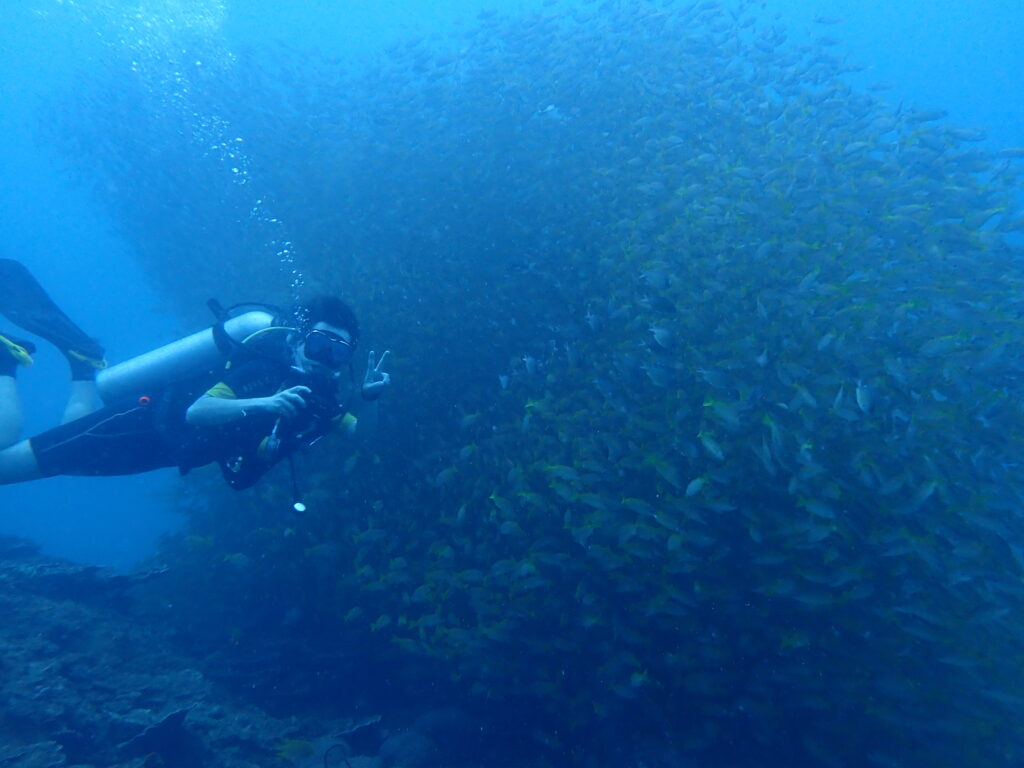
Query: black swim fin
point(24, 302)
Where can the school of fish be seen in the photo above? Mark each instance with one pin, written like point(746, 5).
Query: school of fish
point(707, 425)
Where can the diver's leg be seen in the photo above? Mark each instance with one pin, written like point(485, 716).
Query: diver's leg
point(13, 353)
point(10, 412)
point(116, 440)
point(84, 399)
point(18, 464)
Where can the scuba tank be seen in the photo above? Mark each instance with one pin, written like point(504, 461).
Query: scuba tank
point(193, 355)
point(204, 353)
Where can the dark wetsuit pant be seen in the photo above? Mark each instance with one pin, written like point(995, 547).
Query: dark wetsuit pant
point(116, 440)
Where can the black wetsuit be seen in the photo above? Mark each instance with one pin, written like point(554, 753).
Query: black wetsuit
point(150, 432)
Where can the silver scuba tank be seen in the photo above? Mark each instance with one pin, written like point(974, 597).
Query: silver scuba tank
point(180, 359)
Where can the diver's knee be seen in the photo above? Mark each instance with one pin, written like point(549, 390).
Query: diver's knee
point(18, 464)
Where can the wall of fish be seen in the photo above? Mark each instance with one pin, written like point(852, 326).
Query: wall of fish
point(706, 426)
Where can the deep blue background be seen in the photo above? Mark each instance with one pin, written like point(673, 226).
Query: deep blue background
point(962, 57)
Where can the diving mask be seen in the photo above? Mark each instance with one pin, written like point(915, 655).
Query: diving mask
point(328, 348)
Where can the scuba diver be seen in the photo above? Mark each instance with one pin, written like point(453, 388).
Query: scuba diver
point(282, 388)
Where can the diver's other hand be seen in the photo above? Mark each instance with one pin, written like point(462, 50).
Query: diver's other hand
point(376, 378)
point(287, 402)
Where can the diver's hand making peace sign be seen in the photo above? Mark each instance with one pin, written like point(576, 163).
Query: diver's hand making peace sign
point(376, 379)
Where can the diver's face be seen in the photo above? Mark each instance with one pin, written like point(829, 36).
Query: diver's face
point(326, 350)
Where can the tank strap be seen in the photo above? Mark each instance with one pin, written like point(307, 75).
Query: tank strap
point(223, 339)
point(227, 345)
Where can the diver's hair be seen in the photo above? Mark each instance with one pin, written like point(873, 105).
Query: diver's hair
point(330, 310)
